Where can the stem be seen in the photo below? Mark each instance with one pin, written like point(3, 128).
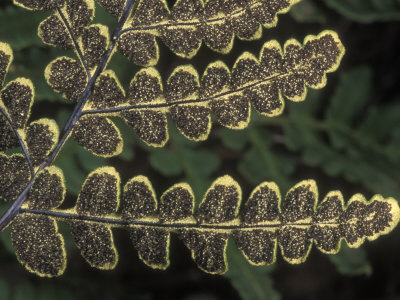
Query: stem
point(76, 114)
point(76, 45)
point(167, 24)
point(191, 101)
point(20, 140)
point(15, 207)
point(66, 215)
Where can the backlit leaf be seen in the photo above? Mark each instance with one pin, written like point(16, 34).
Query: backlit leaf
point(264, 224)
point(263, 82)
point(183, 27)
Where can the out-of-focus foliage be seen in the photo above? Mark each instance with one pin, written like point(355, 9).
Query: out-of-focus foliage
point(181, 156)
point(27, 291)
point(284, 149)
point(24, 24)
point(352, 261)
point(362, 11)
point(350, 140)
point(307, 12)
point(252, 282)
point(367, 11)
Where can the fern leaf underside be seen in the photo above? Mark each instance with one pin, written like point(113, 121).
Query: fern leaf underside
point(258, 227)
point(182, 29)
point(189, 22)
point(262, 82)
point(227, 94)
point(38, 137)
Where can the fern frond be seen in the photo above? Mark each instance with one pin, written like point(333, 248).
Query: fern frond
point(35, 237)
point(65, 75)
point(15, 102)
point(259, 226)
point(228, 94)
point(189, 22)
point(38, 4)
point(67, 23)
point(15, 175)
point(69, 27)
point(182, 29)
point(98, 135)
point(108, 91)
point(263, 223)
point(36, 139)
point(41, 137)
point(262, 82)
